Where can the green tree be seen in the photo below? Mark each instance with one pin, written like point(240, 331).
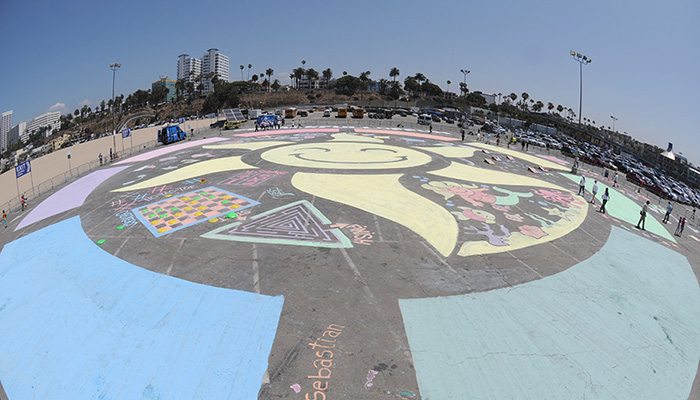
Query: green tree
point(364, 77)
point(345, 73)
point(411, 85)
point(276, 85)
point(393, 73)
point(327, 75)
point(550, 107)
point(102, 106)
point(249, 67)
point(513, 97)
point(395, 92)
point(537, 107)
point(420, 77)
point(476, 99)
point(449, 82)
point(347, 85)
point(298, 74)
point(158, 95)
point(255, 78)
point(524, 96)
point(312, 76)
point(241, 67)
point(431, 89)
point(560, 108)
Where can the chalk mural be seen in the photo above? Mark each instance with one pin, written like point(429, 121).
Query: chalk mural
point(483, 209)
point(299, 223)
point(360, 233)
point(173, 214)
point(495, 219)
point(252, 178)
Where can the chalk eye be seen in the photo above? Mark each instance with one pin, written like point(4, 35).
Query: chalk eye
point(377, 149)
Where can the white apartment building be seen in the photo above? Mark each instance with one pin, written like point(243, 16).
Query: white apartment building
point(51, 120)
point(18, 133)
point(214, 61)
point(5, 126)
point(188, 68)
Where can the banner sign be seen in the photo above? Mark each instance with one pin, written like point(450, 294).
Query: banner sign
point(23, 169)
point(126, 132)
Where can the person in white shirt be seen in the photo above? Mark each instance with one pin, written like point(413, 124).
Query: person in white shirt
point(594, 190)
point(643, 215)
point(669, 208)
point(582, 186)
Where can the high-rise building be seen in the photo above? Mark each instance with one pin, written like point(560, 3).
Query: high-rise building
point(188, 68)
point(214, 61)
point(5, 126)
point(17, 133)
point(50, 120)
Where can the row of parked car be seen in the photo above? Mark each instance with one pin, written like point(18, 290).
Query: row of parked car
point(637, 172)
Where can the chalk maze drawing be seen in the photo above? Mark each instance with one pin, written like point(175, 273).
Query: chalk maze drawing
point(298, 224)
point(172, 214)
point(252, 178)
point(277, 193)
point(493, 217)
point(129, 200)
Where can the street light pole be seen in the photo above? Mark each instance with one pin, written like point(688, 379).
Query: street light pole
point(614, 119)
point(465, 72)
point(114, 67)
point(581, 59)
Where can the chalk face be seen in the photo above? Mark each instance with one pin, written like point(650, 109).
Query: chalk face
point(346, 155)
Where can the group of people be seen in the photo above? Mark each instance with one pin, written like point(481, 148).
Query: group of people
point(594, 192)
point(23, 205)
point(112, 157)
point(267, 124)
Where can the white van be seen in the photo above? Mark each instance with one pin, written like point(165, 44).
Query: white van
point(425, 119)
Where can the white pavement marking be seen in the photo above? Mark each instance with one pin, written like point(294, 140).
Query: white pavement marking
point(379, 230)
point(116, 253)
point(256, 270)
point(525, 264)
point(170, 267)
point(15, 218)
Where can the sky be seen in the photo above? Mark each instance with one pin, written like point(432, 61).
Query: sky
point(644, 70)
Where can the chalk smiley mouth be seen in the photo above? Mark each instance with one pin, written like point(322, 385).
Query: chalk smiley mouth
point(302, 156)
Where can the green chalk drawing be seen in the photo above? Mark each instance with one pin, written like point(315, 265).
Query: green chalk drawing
point(623, 324)
point(119, 227)
point(101, 242)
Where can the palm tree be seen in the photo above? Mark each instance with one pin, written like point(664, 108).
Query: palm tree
point(303, 63)
point(524, 96)
point(345, 73)
point(269, 73)
point(513, 97)
point(298, 74)
point(241, 67)
point(550, 107)
point(254, 78)
point(291, 79)
point(249, 67)
point(560, 108)
point(394, 73)
point(327, 75)
point(102, 106)
point(420, 77)
point(449, 82)
point(312, 75)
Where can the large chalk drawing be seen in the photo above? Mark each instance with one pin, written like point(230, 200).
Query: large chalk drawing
point(179, 212)
point(78, 323)
point(376, 187)
point(623, 324)
point(298, 223)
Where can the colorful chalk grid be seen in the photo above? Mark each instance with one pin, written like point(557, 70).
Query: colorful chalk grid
point(252, 178)
point(175, 213)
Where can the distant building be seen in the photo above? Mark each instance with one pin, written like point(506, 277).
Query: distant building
point(169, 84)
point(17, 133)
point(5, 126)
point(50, 120)
point(188, 68)
point(213, 61)
point(318, 83)
point(490, 98)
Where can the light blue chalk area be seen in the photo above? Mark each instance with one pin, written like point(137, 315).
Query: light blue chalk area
point(622, 207)
point(624, 324)
point(77, 323)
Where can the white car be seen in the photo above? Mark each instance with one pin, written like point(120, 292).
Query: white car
point(327, 112)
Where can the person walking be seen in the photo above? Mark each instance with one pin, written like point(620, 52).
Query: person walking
point(615, 179)
point(100, 158)
point(669, 208)
point(643, 216)
point(582, 186)
point(23, 202)
point(594, 190)
point(692, 216)
point(606, 197)
point(462, 134)
point(4, 218)
point(681, 225)
point(431, 128)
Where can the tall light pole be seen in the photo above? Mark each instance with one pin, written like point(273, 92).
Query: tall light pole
point(581, 59)
point(114, 67)
point(465, 72)
point(614, 118)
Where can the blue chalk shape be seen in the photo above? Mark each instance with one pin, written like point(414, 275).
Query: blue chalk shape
point(79, 323)
point(623, 324)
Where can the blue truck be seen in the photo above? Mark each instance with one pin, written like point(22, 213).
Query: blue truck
point(171, 134)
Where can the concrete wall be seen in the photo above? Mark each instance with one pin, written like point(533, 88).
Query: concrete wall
point(52, 169)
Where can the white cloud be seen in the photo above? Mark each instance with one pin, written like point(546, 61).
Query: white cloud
point(58, 107)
